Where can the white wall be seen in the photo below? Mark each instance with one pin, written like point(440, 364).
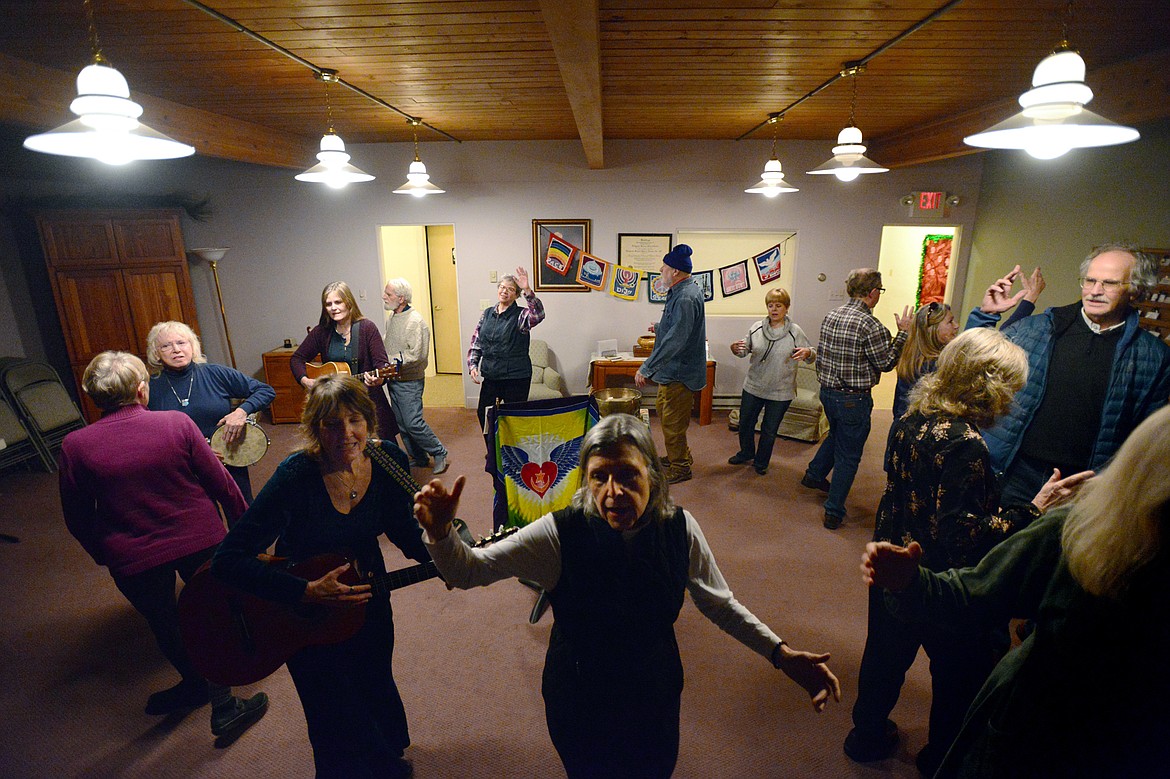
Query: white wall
point(289, 238)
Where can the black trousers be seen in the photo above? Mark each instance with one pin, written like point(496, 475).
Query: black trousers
point(506, 390)
point(960, 662)
point(152, 593)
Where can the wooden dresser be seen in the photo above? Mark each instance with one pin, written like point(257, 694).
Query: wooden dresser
point(290, 396)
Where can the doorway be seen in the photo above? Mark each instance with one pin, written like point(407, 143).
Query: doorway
point(424, 255)
point(900, 261)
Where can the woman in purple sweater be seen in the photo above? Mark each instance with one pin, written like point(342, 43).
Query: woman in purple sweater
point(139, 490)
point(344, 335)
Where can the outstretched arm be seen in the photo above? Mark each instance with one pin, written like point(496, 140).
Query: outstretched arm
point(435, 506)
point(810, 671)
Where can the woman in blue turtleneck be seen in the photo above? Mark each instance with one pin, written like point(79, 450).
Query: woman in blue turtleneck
point(184, 381)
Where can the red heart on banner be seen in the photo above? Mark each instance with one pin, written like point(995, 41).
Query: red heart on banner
point(539, 477)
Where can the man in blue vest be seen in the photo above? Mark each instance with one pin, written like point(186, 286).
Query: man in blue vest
point(1093, 373)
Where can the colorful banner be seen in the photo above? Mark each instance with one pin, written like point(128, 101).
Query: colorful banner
point(767, 263)
point(624, 282)
point(592, 271)
point(537, 453)
point(932, 274)
point(560, 254)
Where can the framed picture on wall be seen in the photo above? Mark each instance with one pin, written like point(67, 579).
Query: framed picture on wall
point(558, 273)
point(643, 251)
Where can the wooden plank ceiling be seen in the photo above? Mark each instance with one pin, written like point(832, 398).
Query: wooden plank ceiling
point(564, 69)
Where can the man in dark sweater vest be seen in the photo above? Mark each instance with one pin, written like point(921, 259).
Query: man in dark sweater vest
point(1093, 374)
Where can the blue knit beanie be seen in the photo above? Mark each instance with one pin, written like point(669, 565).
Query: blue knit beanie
point(679, 258)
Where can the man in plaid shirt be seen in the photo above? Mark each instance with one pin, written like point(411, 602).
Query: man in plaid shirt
point(855, 350)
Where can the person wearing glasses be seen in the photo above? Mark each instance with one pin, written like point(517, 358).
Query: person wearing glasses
point(184, 381)
point(1093, 373)
point(854, 351)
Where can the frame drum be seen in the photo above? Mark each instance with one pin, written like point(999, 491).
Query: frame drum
point(248, 448)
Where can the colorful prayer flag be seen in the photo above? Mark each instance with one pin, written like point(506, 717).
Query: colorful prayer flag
point(624, 283)
point(560, 254)
point(592, 271)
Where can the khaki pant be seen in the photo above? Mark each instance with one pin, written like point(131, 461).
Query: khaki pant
point(674, 403)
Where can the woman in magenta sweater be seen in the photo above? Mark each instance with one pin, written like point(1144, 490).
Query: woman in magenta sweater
point(139, 490)
point(343, 334)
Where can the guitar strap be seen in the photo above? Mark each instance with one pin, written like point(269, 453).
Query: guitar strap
point(396, 471)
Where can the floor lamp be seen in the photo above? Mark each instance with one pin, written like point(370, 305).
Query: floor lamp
point(213, 256)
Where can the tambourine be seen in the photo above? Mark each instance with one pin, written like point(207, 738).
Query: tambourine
point(246, 450)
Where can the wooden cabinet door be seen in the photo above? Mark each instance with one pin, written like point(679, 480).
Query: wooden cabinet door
point(94, 312)
point(78, 239)
point(158, 294)
point(149, 241)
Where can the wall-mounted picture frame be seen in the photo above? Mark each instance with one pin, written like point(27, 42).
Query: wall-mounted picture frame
point(733, 279)
point(572, 231)
point(706, 281)
point(654, 289)
point(643, 251)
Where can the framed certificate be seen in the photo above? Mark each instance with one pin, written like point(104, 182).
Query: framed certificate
point(643, 251)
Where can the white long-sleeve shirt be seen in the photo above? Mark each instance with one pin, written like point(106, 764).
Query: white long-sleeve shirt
point(534, 553)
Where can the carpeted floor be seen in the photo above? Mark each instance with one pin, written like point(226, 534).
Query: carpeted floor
point(77, 663)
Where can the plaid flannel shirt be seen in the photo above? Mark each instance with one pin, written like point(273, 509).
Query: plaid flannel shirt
point(855, 348)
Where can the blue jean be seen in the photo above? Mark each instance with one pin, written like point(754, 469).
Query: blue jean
point(849, 421)
point(420, 440)
point(749, 410)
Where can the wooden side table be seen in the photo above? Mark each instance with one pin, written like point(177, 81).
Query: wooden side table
point(600, 371)
point(290, 396)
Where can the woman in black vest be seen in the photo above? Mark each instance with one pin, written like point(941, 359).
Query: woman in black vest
point(498, 358)
point(616, 565)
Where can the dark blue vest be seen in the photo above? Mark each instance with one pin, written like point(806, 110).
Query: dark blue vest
point(503, 347)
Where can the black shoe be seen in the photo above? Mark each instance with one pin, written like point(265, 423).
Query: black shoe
point(184, 695)
point(761, 469)
point(238, 714)
point(831, 522)
point(739, 458)
point(867, 748)
point(814, 484)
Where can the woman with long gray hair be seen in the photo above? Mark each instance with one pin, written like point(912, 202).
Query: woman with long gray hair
point(616, 565)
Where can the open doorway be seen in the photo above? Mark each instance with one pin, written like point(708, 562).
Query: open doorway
point(424, 255)
point(910, 261)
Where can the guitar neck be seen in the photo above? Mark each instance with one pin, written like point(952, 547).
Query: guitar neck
point(384, 583)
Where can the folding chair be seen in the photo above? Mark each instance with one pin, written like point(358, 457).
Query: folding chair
point(20, 446)
point(45, 407)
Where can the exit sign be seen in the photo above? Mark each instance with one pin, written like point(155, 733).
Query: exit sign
point(928, 204)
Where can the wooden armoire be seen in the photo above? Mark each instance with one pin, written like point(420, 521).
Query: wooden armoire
point(114, 273)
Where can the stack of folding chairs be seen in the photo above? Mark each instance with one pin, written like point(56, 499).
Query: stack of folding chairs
point(36, 413)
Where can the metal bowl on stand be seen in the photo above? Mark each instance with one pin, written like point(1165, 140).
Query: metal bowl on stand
point(617, 400)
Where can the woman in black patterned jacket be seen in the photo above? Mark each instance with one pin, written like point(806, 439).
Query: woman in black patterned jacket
point(941, 492)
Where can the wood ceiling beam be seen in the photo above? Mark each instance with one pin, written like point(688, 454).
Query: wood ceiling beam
point(574, 27)
point(1130, 92)
point(34, 96)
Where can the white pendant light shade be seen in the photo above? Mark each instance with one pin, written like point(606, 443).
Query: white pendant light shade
point(418, 182)
point(1054, 118)
point(772, 182)
point(333, 169)
point(107, 127)
point(849, 160)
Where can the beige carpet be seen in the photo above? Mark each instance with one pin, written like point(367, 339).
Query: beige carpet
point(77, 663)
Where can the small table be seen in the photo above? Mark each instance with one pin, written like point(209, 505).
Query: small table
point(626, 364)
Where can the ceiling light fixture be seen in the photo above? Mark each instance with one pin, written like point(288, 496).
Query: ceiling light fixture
point(849, 160)
point(772, 181)
point(333, 168)
point(1054, 119)
point(107, 128)
point(418, 182)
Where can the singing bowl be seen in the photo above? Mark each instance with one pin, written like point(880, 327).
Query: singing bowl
point(617, 400)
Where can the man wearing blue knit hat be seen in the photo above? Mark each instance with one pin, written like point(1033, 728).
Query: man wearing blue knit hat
point(678, 363)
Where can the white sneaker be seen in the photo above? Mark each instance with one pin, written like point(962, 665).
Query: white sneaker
point(441, 465)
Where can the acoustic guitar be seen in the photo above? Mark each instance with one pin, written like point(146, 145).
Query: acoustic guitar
point(317, 370)
point(236, 638)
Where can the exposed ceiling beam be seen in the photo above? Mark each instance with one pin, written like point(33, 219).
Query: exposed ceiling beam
point(37, 97)
point(574, 27)
point(1130, 92)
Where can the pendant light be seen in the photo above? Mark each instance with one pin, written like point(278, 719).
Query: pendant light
point(772, 181)
point(418, 182)
point(333, 168)
point(1054, 118)
point(849, 160)
point(107, 128)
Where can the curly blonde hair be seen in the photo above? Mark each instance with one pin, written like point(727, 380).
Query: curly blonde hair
point(154, 361)
point(978, 375)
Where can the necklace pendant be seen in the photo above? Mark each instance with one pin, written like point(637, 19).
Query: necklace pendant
point(184, 401)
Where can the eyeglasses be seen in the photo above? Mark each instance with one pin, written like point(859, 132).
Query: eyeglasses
point(881, 289)
point(1109, 285)
point(173, 346)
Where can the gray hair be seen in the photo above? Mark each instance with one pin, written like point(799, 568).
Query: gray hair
point(511, 279)
point(1144, 275)
point(154, 360)
point(112, 378)
point(401, 288)
point(605, 438)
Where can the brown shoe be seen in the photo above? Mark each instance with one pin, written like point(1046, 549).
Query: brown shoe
point(674, 477)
